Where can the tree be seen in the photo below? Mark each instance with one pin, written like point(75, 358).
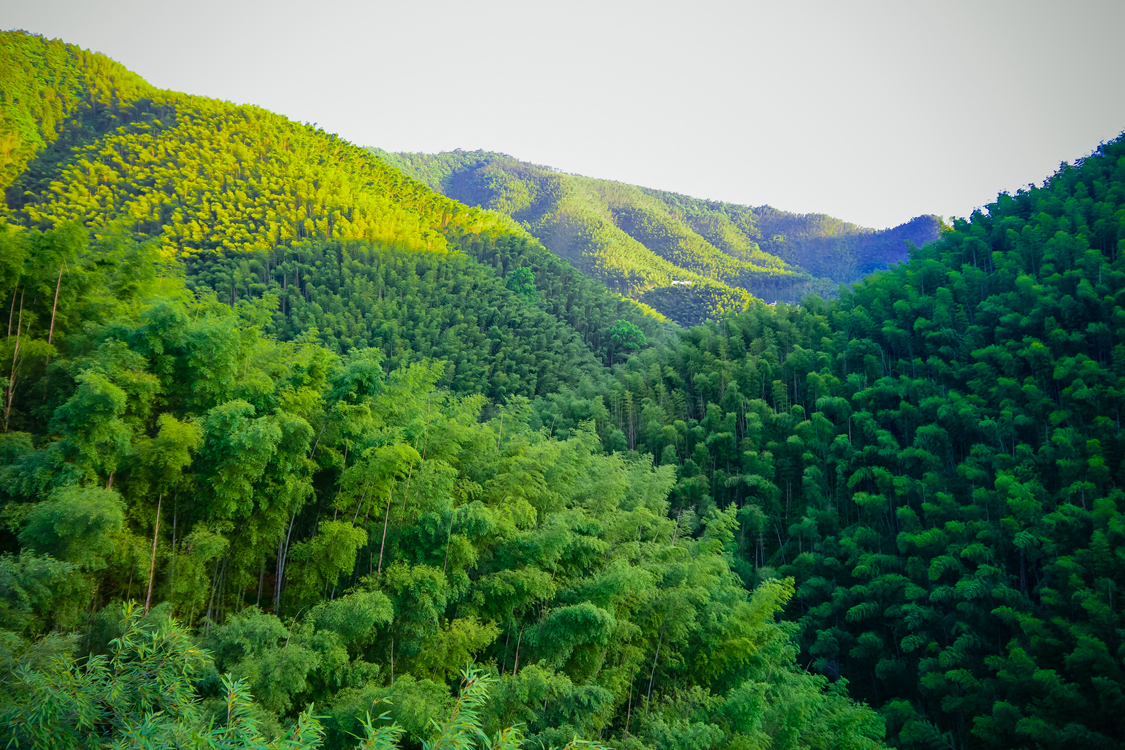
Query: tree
point(77, 525)
point(625, 337)
point(522, 282)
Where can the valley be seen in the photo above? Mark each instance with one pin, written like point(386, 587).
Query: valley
point(311, 445)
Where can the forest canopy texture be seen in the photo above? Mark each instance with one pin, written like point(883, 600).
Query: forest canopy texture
point(297, 452)
point(687, 258)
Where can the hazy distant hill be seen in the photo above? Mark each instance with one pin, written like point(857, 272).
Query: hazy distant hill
point(686, 257)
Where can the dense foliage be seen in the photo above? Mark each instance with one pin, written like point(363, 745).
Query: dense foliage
point(342, 536)
point(202, 174)
point(833, 249)
point(688, 258)
point(243, 385)
point(54, 96)
point(517, 322)
point(408, 306)
point(337, 437)
point(938, 459)
point(209, 179)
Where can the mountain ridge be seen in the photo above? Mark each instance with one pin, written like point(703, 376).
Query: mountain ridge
point(650, 244)
point(203, 177)
point(729, 536)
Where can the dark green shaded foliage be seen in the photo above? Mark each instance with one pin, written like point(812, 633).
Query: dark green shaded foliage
point(408, 306)
point(340, 534)
point(936, 457)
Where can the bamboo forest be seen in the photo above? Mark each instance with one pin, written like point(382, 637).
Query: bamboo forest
point(299, 451)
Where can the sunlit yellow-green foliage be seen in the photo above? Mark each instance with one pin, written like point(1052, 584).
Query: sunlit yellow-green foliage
point(215, 176)
point(242, 188)
point(48, 86)
point(203, 174)
point(607, 229)
point(651, 244)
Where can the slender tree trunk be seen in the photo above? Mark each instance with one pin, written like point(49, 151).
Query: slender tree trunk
point(55, 307)
point(15, 364)
point(261, 581)
point(51, 334)
point(211, 598)
point(516, 666)
point(221, 590)
point(507, 640)
point(359, 505)
point(448, 539)
point(12, 311)
point(282, 551)
point(152, 562)
point(383, 544)
point(651, 676)
point(406, 492)
point(628, 714)
point(172, 572)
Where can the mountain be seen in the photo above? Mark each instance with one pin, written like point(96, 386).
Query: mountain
point(937, 458)
point(248, 197)
point(896, 515)
point(690, 259)
point(270, 441)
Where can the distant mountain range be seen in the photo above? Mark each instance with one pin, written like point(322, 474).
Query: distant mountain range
point(687, 258)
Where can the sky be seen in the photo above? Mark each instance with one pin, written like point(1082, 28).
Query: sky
point(873, 112)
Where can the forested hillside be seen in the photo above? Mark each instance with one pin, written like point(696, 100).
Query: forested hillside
point(936, 457)
point(206, 178)
point(689, 258)
point(299, 453)
point(266, 446)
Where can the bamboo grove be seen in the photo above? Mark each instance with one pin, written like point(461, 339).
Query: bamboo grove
point(300, 453)
point(340, 535)
point(936, 457)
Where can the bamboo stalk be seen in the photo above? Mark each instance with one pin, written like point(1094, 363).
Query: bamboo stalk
point(152, 562)
point(55, 307)
point(386, 520)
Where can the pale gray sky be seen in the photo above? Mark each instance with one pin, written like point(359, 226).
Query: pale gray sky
point(873, 112)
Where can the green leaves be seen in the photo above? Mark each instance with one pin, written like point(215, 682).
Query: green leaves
point(165, 457)
point(521, 281)
point(324, 558)
point(462, 729)
point(143, 691)
point(627, 336)
point(566, 629)
point(356, 617)
point(39, 591)
point(458, 642)
point(77, 525)
point(237, 447)
point(91, 419)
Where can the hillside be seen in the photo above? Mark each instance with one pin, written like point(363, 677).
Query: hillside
point(283, 428)
point(937, 457)
point(267, 444)
point(89, 142)
point(688, 258)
